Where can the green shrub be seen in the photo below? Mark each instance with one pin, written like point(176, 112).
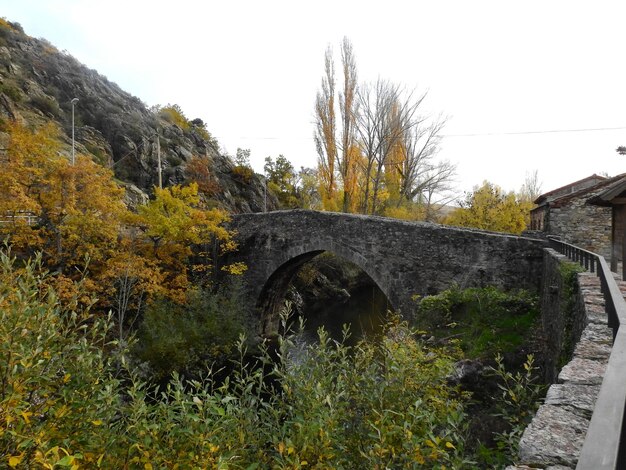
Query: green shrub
point(46, 105)
point(68, 398)
point(174, 160)
point(11, 91)
point(519, 398)
point(5, 28)
point(485, 320)
point(384, 405)
point(56, 389)
point(100, 155)
point(186, 337)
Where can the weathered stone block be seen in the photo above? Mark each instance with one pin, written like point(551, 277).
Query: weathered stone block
point(597, 299)
point(579, 399)
point(583, 371)
point(598, 333)
point(589, 349)
point(596, 314)
point(554, 437)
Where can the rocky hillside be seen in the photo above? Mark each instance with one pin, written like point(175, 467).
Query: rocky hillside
point(37, 84)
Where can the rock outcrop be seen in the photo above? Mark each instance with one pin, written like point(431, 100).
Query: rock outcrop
point(38, 83)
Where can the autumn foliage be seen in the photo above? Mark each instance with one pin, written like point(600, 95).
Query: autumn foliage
point(197, 171)
point(376, 148)
point(70, 398)
point(75, 216)
point(488, 207)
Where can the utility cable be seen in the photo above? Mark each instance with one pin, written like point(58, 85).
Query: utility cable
point(478, 134)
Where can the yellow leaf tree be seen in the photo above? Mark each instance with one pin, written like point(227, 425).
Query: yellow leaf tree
point(67, 211)
point(173, 223)
point(489, 208)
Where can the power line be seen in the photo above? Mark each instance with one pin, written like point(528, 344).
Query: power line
point(551, 131)
point(478, 134)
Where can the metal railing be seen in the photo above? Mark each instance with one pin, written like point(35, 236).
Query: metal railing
point(10, 218)
point(605, 442)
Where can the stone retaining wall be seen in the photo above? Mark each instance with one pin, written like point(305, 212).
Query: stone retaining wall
point(562, 318)
point(555, 437)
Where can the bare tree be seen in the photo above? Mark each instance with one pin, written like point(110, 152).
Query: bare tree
point(386, 114)
point(421, 144)
point(531, 189)
point(383, 143)
point(367, 123)
point(436, 189)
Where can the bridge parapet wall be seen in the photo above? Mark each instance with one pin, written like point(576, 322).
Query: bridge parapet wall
point(404, 258)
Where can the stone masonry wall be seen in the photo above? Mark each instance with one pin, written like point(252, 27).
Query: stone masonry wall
point(581, 224)
point(555, 437)
point(563, 318)
point(403, 258)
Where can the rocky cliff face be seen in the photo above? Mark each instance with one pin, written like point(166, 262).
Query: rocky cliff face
point(37, 84)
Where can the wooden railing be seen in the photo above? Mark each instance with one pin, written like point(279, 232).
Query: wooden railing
point(605, 443)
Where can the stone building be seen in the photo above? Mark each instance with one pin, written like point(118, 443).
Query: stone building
point(613, 197)
point(567, 213)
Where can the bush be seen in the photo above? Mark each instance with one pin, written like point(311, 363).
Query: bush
point(69, 399)
point(386, 405)
point(486, 320)
point(11, 91)
point(517, 404)
point(243, 173)
point(61, 401)
point(186, 337)
point(5, 28)
point(56, 390)
point(198, 171)
point(46, 105)
point(173, 114)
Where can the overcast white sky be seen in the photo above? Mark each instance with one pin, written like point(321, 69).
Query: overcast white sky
point(250, 69)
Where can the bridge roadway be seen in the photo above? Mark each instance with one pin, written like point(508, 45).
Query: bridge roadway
point(403, 258)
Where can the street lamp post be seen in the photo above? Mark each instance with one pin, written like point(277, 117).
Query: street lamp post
point(74, 101)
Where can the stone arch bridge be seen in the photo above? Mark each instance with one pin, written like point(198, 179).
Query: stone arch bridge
point(403, 258)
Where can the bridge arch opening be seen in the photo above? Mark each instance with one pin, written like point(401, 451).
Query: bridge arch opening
point(327, 290)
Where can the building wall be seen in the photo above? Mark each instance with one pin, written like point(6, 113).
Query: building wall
point(581, 224)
